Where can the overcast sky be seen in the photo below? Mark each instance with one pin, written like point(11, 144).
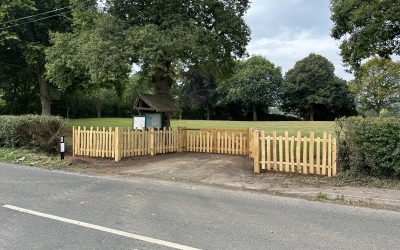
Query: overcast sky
point(285, 31)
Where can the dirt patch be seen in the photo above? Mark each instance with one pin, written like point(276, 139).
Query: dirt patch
point(237, 172)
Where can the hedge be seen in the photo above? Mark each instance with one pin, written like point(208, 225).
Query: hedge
point(33, 131)
point(369, 146)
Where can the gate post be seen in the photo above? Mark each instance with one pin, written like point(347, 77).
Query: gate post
point(256, 151)
point(118, 145)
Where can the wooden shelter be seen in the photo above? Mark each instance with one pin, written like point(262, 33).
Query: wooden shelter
point(156, 109)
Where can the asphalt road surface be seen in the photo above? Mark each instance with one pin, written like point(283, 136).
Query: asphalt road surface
point(42, 209)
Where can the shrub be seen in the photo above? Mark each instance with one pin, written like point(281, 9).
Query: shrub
point(369, 146)
point(34, 131)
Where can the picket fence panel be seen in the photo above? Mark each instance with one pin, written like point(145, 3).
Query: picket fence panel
point(290, 154)
point(218, 141)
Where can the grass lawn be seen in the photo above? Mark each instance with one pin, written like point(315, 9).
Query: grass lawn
point(280, 126)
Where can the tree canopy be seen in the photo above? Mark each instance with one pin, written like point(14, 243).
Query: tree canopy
point(366, 29)
point(256, 84)
point(377, 85)
point(312, 90)
point(22, 43)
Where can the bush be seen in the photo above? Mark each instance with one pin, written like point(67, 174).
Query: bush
point(34, 131)
point(369, 146)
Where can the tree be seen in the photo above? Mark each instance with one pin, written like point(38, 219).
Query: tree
point(377, 85)
point(167, 35)
point(255, 84)
point(26, 40)
point(200, 90)
point(91, 57)
point(366, 29)
point(311, 89)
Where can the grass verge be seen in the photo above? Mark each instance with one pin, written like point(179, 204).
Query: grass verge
point(34, 158)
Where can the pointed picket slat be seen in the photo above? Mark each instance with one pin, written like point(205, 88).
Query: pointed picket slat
point(298, 152)
point(318, 164)
point(287, 169)
point(268, 153)
point(274, 151)
point(324, 153)
point(262, 149)
point(311, 153)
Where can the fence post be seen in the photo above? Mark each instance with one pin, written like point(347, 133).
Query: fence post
point(256, 150)
point(249, 142)
point(118, 144)
point(73, 141)
point(152, 141)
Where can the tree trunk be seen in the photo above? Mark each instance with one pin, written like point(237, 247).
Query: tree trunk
point(254, 113)
point(44, 86)
point(312, 114)
point(162, 84)
point(98, 107)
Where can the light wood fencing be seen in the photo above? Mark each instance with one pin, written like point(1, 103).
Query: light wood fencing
point(119, 143)
point(294, 154)
point(217, 141)
point(271, 152)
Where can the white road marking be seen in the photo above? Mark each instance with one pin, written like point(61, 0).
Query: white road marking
point(104, 229)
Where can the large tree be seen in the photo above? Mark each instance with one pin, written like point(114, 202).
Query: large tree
point(366, 29)
point(377, 85)
point(311, 89)
point(255, 84)
point(24, 41)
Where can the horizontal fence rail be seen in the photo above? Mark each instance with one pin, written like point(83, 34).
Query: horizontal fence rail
point(270, 151)
point(295, 154)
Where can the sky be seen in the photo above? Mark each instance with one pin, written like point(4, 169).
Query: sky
point(286, 31)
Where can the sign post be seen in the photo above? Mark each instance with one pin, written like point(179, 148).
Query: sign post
point(62, 147)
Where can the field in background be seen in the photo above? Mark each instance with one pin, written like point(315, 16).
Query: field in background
point(280, 126)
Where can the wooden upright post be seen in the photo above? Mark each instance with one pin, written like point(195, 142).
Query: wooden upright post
point(73, 141)
point(256, 150)
point(118, 144)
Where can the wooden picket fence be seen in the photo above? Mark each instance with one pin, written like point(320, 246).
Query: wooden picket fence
point(271, 152)
point(119, 143)
point(217, 141)
point(290, 154)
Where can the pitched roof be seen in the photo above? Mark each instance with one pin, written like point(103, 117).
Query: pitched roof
point(160, 103)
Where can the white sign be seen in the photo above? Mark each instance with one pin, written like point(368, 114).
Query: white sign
point(139, 122)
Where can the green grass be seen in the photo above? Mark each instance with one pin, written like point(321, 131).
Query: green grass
point(34, 158)
point(279, 126)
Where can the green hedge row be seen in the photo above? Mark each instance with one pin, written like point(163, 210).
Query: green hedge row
point(369, 146)
point(34, 131)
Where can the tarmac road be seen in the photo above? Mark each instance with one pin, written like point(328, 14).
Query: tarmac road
point(42, 209)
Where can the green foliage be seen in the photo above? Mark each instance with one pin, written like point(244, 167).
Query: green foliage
point(377, 85)
point(311, 90)
point(42, 132)
point(92, 57)
point(256, 83)
point(22, 45)
point(369, 146)
point(366, 29)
